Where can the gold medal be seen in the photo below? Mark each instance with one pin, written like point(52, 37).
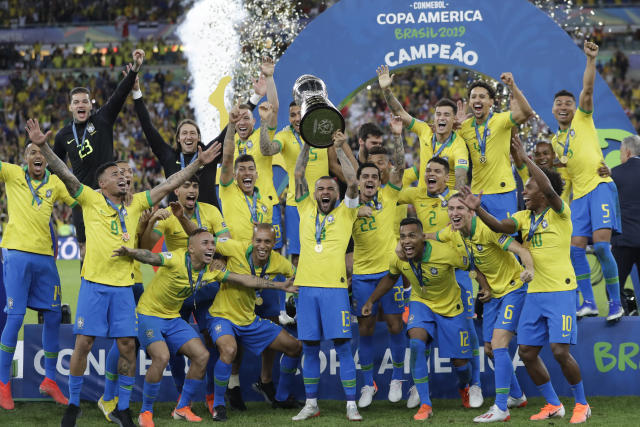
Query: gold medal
point(483, 159)
point(473, 274)
point(259, 300)
point(319, 248)
point(564, 160)
point(125, 237)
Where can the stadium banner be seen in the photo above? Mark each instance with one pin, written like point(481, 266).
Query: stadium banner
point(68, 248)
point(489, 36)
point(609, 358)
point(78, 34)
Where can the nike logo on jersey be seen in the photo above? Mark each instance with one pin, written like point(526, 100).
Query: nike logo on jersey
point(464, 351)
point(505, 323)
point(565, 335)
point(70, 141)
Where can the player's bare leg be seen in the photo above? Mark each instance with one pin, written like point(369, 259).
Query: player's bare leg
point(540, 376)
point(198, 356)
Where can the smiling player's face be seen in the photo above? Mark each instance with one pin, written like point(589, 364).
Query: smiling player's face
point(112, 182)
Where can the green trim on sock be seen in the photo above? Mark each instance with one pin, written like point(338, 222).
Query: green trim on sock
point(348, 383)
point(220, 383)
point(288, 371)
point(311, 380)
point(583, 276)
point(368, 367)
point(110, 376)
point(476, 352)
point(7, 349)
point(51, 355)
point(398, 364)
point(502, 390)
point(421, 380)
point(127, 387)
point(611, 280)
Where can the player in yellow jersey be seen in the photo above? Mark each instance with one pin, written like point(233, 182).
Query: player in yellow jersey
point(250, 141)
point(105, 301)
point(436, 308)
point(444, 143)
point(232, 317)
point(374, 242)
point(30, 274)
point(595, 211)
point(549, 311)
point(323, 303)
point(503, 295)
point(487, 135)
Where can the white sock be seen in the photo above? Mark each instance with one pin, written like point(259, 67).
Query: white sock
point(351, 403)
point(234, 381)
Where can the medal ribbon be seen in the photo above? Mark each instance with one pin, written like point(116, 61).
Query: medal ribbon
point(193, 159)
point(122, 212)
point(197, 212)
point(373, 203)
point(34, 192)
point(296, 135)
point(442, 196)
point(444, 144)
point(253, 268)
point(472, 261)
point(242, 147)
point(567, 140)
point(417, 271)
point(535, 223)
point(319, 227)
point(80, 145)
point(482, 142)
point(187, 263)
point(253, 209)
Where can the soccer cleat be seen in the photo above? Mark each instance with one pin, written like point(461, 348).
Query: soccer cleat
point(352, 412)
point(464, 395)
point(290, 403)
point(423, 413)
point(267, 390)
point(209, 401)
point(6, 401)
point(395, 391)
point(588, 308)
point(220, 413)
point(549, 411)
point(517, 402)
point(414, 398)
point(475, 396)
point(122, 417)
point(70, 416)
point(107, 406)
point(49, 387)
point(185, 413)
point(145, 419)
point(405, 315)
point(234, 396)
point(580, 413)
point(615, 311)
point(366, 395)
point(308, 411)
point(494, 414)
point(284, 319)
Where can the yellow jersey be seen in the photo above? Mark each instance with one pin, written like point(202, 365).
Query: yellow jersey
point(327, 268)
point(494, 175)
point(104, 235)
point(439, 289)
point(410, 176)
point(237, 208)
point(566, 181)
point(263, 163)
point(290, 146)
point(452, 150)
point(28, 227)
point(584, 153)
point(174, 236)
point(170, 286)
point(373, 236)
point(431, 210)
point(236, 302)
point(489, 251)
point(137, 271)
point(549, 247)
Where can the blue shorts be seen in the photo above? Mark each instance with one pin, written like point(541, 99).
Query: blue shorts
point(503, 312)
point(450, 333)
point(276, 221)
point(597, 209)
point(362, 286)
point(255, 337)
point(30, 280)
point(292, 222)
point(105, 311)
point(500, 205)
point(138, 289)
point(548, 317)
point(174, 332)
point(203, 298)
point(466, 292)
point(323, 313)
point(270, 306)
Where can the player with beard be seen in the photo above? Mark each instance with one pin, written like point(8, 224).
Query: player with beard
point(444, 142)
point(29, 267)
point(88, 140)
point(323, 302)
point(549, 311)
point(595, 209)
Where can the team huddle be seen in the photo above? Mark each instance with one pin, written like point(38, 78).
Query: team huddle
point(367, 238)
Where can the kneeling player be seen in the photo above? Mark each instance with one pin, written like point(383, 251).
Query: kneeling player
point(435, 310)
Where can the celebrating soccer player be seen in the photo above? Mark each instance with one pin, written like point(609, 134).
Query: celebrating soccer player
point(30, 274)
point(105, 303)
point(436, 309)
point(323, 303)
point(549, 311)
point(594, 209)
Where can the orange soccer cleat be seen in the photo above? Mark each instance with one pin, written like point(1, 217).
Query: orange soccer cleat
point(549, 411)
point(186, 414)
point(145, 419)
point(49, 387)
point(580, 413)
point(423, 413)
point(6, 401)
point(464, 395)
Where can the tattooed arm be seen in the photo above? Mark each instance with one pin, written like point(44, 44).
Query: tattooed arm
point(397, 152)
point(143, 255)
point(302, 187)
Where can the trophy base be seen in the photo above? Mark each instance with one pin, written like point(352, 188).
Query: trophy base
point(318, 125)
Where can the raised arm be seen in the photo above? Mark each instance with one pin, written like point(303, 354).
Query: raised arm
point(260, 283)
point(56, 164)
point(554, 200)
point(302, 187)
point(267, 146)
point(589, 78)
point(506, 226)
point(149, 237)
point(526, 259)
point(339, 141)
point(143, 255)
point(523, 110)
point(267, 68)
point(226, 169)
point(112, 107)
point(187, 225)
point(177, 179)
point(397, 152)
point(385, 80)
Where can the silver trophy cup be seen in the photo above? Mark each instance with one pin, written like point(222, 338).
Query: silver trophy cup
point(320, 119)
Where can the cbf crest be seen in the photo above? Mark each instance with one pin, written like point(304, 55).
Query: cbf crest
point(48, 194)
point(91, 128)
point(330, 219)
point(544, 223)
point(149, 333)
point(434, 271)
